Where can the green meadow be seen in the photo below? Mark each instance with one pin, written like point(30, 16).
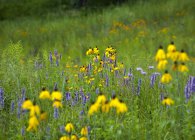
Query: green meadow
point(54, 51)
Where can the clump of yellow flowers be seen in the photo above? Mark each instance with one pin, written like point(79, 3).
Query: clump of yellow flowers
point(104, 106)
point(69, 129)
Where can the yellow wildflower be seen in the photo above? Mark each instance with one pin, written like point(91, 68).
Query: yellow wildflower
point(83, 138)
point(106, 107)
point(167, 101)
point(84, 131)
point(44, 94)
point(56, 95)
point(166, 78)
point(95, 50)
point(162, 64)
point(183, 56)
point(175, 66)
point(27, 104)
point(101, 99)
point(122, 108)
point(57, 103)
point(173, 55)
point(35, 110)
point(69, 127)
point(89, 52)
point(171, 47)
point(114, 102)
point(65, 138)
point(160, 55)
point(33, 123)
point(43, 116)
point(74, 137)
point(183, 68)
point(93, 108)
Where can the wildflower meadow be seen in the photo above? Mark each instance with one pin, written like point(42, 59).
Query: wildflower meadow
point(124, 72)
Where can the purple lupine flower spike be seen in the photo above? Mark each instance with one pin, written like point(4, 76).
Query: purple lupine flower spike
point(56, 112)
point(23, 131)
point(107, 81)
point(139, 86)
point(12, 107)
point(97, 91)
point(68, 97)
point(23, 94)
point(1, 98)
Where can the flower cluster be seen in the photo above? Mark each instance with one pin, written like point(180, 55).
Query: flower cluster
point(103, 105)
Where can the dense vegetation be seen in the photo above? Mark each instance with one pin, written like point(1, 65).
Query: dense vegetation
point(54, 51)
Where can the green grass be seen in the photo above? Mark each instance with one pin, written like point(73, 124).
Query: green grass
point(135, 31)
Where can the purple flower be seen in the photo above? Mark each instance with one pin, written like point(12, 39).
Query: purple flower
point(76, 98)
point(152, 80)
point(143, 72)
point(23, 131)
point(97, 91)
point(12, 107)
point(139, 86)
point(19, 108)
point(23, 94)
point(62, 129)
point(139, 69)
point(50, 57)
point(107, 81)
point(56, 113)
point(1, 98)
point(68, 97)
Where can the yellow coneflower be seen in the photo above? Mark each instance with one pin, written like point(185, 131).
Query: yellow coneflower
point(65, 138)
point(27, 104)
point(69, 127)
point(57, 103)
point(83, 138)
point(84, 131)
point(167, 101)
point(175, 66)
point(173, 55)
point(160, 55)
point(101, 99)
point(43, 116)
point(166, 78)
point(35, 110)
point(106, 107)
point(74, 137)
point(93, 108)
point(114, 102)
point(183, 56)
point(33, 123)
point(89, 52)
point(122, 108)
point(183, 68)
point(171, 47)
point(56, 95)
point(95, 50)
point(44, 94)
point(162, 64)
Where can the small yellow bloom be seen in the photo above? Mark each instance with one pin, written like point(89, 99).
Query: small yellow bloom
point(27, 104)
point(160, 55)
point(74, 137)
point(33, 123)
point(65, 138)
point(57, 103)
point(93, 108)
point(183, 68)
point(101, 99)
point(167, 101)
point(122, 108)
point(106, 107)
point(43, 116)
point(114, 102)
point(35, 110)
point(56, 95)
point(95, 50)
point(84, 131)
point(171, 47)
point(69, 127)
point(183, 56)
point(162, 64)
point(83, 138)
point(44, 94)
point(173, 55)
point(166, 78)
